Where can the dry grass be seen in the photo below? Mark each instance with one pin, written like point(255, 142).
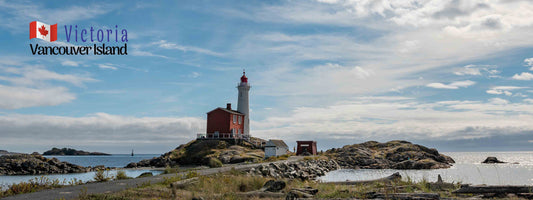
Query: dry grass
point(228, 185)
point(36, 184)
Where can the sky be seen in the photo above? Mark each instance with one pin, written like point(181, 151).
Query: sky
point(453, 75)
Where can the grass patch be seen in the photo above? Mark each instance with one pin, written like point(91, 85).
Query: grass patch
point(214, 163)
point(227, 185)
point(171, 170)
point(276, 158)
point(36, 184)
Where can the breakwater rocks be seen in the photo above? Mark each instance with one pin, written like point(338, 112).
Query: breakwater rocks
point(304, 169)
point(390, 155)
point(26, 164)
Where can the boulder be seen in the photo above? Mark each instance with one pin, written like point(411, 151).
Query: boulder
point(273, 186)
point(389, 155)
point(491, 160)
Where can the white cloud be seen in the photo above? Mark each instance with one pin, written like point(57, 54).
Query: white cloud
point(107, 66)
point(529, 62)
point(498, 101)
point(476, 70)
point(453, 85)
point(508, 87)
point(17, 15)
point(528, 101)
point(43, 132)
point(194, 75)
point(324, 79)
point(385, 119)
point(70, 63)
point(31, 86)
point(13, 97)
point(524, 76)
point(169, 45)
point(504, 90)
point(36, 75)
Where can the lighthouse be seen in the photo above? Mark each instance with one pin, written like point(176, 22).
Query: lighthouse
point(226, 123)
point(243, 103)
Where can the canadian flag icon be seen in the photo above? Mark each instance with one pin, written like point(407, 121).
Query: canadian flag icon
point(43, 31)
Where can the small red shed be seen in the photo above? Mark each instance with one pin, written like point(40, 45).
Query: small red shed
point(225, 123)
point(306, 146)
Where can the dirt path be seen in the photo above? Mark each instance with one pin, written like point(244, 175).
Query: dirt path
point(72, 192)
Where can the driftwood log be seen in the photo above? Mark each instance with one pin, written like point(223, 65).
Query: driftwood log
point(402, 196)
point(506, 189)
point(271, 189)
point(182, 184)
point(394, 177)
point(261, 194)
point(299, 193)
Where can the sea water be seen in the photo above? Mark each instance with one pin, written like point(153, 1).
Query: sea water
point(116, 160)
point(467, 169)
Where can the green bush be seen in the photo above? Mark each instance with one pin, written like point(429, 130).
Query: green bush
point(214, 163)
point(102, 176)
point(171, 170)
point(121, 175)
point(191, 174)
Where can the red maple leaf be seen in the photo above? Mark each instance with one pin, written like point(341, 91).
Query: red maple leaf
point(43, 31)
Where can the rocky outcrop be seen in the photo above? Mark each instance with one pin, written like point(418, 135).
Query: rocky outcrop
point(304, 169)
point(71, 152)
point(390, 155)
point(492, 160)
point(204, 152)
point(26, 164)
point(5, 152)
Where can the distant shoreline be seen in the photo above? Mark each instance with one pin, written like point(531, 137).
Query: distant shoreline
point(72, 152)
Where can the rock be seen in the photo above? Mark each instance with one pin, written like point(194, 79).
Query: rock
point(491, 160)
point(145, 174)
point(132, 165)
point(390, 155)
point(26, 164)
point(273, 186)
point(202, 152)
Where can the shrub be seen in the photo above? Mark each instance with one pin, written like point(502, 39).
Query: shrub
point(191, 174)
point(214, 163)
point(102, 176)
point(171, 170)
point(121, 175)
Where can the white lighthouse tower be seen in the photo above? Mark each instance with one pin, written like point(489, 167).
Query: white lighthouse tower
point(243, 104)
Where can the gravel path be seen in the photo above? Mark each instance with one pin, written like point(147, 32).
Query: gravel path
point(72, 192)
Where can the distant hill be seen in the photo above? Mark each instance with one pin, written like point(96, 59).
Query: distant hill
point(71, 152)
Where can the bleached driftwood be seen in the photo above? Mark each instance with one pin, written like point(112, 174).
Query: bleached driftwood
point(504, 189)
point(394, 177)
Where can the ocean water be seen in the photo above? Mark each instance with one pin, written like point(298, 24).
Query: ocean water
point(116, 160)
point(467, 169)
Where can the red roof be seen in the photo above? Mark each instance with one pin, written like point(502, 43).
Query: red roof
point(244, 79)
point(227, 110)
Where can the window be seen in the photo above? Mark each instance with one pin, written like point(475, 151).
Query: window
point(234, 119)
point(240, 119)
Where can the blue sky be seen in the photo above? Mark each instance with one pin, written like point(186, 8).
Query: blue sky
point(454, 75)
